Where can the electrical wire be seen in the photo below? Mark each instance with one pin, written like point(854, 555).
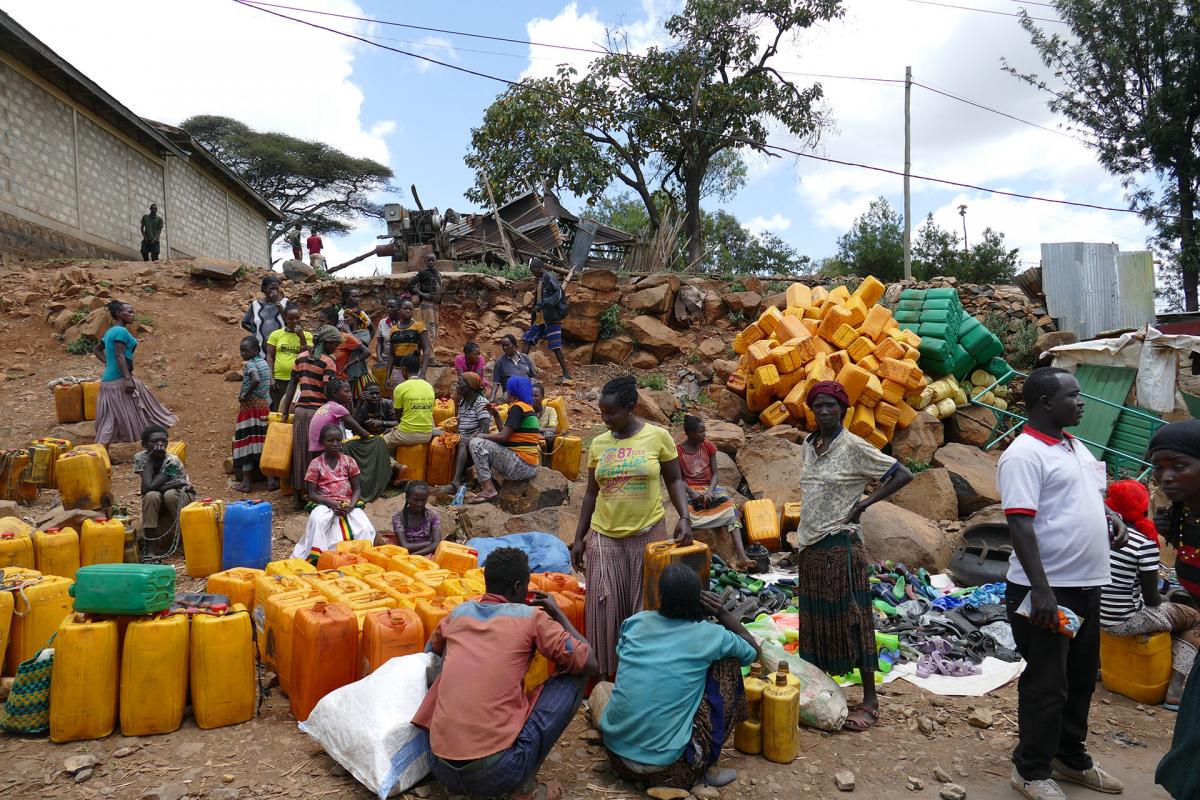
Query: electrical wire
point(981, 106)
point(984, 11)
point(684, 128)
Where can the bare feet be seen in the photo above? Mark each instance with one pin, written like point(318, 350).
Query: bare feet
point(861, 719)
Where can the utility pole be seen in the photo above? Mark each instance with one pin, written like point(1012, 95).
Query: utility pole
point(962, 212)
point(907, 171)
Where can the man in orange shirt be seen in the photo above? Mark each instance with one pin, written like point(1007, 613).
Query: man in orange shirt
point(488, 736)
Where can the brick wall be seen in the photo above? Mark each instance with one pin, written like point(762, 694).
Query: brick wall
point(87, 187)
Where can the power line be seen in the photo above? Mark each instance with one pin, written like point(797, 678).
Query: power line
point(1031, 3)
point(984, 11)
point(997, 111)
point(735, 139)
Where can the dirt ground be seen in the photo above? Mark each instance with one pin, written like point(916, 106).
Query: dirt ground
point(194, 334)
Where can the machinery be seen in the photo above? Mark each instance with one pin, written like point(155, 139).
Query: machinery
point(409, 227)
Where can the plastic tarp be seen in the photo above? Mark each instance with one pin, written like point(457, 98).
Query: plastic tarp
point(1153, 354)
point(546, 552)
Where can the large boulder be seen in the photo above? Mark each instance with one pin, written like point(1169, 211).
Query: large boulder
point(971, 426)
point(663, 279)
point(581, 328)
point(614, 350)
point(789, 432)
point(601, 280)
point(897, 534)
point(973, 473)
point(722, 369)
point(643, 359)
point(94, 325)
point(654, 336)
point(1054, 339)
point(730, 406)
point(920, 440)
point(714, 307)
point(654, 300)
point(711, 348)
point(771, 467)
point(487, 521)
point(728, 437)
point(728, 475)
point(745, 302)
point(778, 300)
point(546, 489)
point(295, 270)
point(381, 510)
point(583, 354)
point(931, 494)
point(649, 409)
point(667, 402)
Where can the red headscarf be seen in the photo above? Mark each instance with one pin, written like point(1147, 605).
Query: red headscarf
point(830, 388)
point(1131, 499)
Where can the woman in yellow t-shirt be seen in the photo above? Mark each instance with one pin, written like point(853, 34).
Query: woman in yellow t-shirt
point(407, 336)
point(622, 513)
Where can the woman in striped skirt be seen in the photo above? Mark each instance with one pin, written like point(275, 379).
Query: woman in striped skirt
point(126, 406)
point(254, 408)
point(622, 513)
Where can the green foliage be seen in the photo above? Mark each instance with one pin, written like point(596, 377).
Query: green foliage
point(1126, 75)
point(694, 358)
point(514, 273)
point(704, 401)
point(632, 118)
point(677, 416)
point(729, 247)
point(874, 245)
point(82, 346)
point(653, 380)
point(1020, 349)
point(737, 317)
point(610, 321)
point(144, 319)
point(312, 183)
point(914, 466)
point(78, 317)
point(997, 323)
point(737, 286)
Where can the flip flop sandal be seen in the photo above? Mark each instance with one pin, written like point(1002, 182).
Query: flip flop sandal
point(857, 726)
point(786, 561)
point(1171, 706)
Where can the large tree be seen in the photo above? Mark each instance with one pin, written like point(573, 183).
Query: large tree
point(1128, 75)
point(672, 119)
point(312, 183)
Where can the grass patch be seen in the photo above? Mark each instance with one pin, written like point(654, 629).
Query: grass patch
point(737, 286)
point(694, 358)
point(78, 317)
point(704, 401)
point(514, 273)
point(1021, 346)
point(144, 319)
point(610, 321)
point(82, 346)
point(677, 416)
point(915, 466)
point(652, 381)
point(737, 317)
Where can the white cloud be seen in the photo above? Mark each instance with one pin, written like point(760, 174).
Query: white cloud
point(588, 32)
point(774, 224)
point(434, 47)
point(224, 58)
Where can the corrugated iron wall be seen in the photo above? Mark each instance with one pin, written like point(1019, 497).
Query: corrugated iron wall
point(1094, 287)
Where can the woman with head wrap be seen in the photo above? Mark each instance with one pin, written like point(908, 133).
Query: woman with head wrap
point(305, 394)
point(514, 451)
point(473, 419)
point(126, 406)
point(1175, 453)
point(837, 631)
point(622, 513)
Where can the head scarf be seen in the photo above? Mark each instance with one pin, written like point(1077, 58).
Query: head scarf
point(830, 388)
point(473, 381)
point(1131, 499)
point(520, 387)
point(326, 339)
point(1180, 437)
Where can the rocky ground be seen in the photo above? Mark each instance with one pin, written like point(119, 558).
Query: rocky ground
point(188, 351)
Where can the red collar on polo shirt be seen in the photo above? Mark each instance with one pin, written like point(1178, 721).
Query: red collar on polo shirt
point(1044, 438)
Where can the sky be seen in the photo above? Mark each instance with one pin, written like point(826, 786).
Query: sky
point(168, 61)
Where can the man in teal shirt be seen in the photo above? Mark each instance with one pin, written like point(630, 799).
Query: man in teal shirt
point(152, 227)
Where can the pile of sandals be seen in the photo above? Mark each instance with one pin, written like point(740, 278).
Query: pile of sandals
point(747, 596)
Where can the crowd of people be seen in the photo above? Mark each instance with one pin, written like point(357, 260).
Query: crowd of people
point(667, 683)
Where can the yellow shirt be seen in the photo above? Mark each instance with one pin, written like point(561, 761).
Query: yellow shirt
point(413, 400)
point(287, 347)
point(406, 339)
point(628, 471)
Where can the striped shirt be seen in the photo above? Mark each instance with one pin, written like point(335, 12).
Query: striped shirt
point(526, 436)
point(311, 374)
point(1122, 597)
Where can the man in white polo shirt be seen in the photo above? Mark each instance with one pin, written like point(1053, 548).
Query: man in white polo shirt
point(1052, 488)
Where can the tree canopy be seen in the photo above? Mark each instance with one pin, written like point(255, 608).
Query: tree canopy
point(1128, 76)
point(874, 245)
point(312, 183)
point(672, 120)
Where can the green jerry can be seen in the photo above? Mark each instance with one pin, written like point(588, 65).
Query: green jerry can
point(134, 589)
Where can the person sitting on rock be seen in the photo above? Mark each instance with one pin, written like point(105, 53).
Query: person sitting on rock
point(165, 490)
point(488, 735)
point(473, 419)
point(678, 694)
point(413, 402)
point(547, 421)
point(331, 480)
point(709, 506)
point(514, 451)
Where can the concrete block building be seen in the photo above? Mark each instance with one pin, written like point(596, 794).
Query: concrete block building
point(78, 170)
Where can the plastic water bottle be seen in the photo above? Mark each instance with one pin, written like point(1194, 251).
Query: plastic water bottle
point(459, 496)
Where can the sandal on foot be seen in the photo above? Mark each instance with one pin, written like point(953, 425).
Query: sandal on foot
point(867, 717)
point(719, 776)
point(476, 499)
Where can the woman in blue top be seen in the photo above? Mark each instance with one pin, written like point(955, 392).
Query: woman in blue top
point(678, 694)
point(125, 407)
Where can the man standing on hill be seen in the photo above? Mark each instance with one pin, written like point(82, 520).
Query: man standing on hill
point(550, 307)
point(1052, 489)
point(293, 238)
point(315, 259)
point(152, 227)
point(427, 286)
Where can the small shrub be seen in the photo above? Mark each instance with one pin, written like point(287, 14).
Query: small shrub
point(704, 401)
point(82, 346)
point(998, 324)
point(694, 358)
point(737, 317)
point(610, 321)
point(1021, 346)
point(737, 286)
point(513, 273)
point(78, 317)
point(144, 319)
point(915, 466)
point(677, 416)
point(652, 381)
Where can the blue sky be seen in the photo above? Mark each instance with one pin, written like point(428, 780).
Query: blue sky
point(170, 60)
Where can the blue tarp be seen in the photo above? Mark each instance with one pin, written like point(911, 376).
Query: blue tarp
point(546, 552)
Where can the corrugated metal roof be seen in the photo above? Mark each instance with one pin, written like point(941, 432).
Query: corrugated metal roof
point(1135, 289)
point(1080, 283)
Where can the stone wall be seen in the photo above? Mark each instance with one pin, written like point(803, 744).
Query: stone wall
point(70, 185)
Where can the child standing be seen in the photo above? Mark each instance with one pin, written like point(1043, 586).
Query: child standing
point(333, 491)
point(254, 406)
point(416, 527)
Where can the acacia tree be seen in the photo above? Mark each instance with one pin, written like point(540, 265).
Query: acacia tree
point(672, 119)
point(312, 183)
point(1129, 76)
